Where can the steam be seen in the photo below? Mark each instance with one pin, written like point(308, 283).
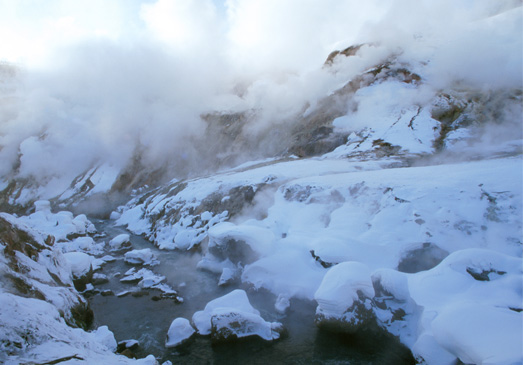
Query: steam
point(98, 83)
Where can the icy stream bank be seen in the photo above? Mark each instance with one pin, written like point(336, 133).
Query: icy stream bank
point(146, 320)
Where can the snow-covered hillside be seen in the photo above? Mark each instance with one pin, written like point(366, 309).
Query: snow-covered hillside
point(43, 318)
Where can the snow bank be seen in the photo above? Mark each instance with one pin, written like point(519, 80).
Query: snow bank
point(480, 334)
point(472, 306)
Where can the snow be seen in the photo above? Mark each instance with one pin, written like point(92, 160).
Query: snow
point(347, 225)
point(236, 299)
point(340, 286)
point(35, 329)
point(242, 324)
point(60, 225)
point(478, 333)
point(117, 242)
point(336, 229)
point(456, 298)
point(141, 257)
point(81, 263)
point(235, 308)
point(105, 337)
point(179, 331)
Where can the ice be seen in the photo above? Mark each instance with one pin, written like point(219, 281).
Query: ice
point(179, 331)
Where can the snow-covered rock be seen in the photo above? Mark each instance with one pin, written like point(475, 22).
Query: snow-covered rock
point(120, 241)
point(105, 337)
point(232, 316)
point(141, 257)
point(179, 331)
point(81, 263)
point(471, 306)
point(82, 244)
point(63, 225)
point(345, 296)
point(228, 324)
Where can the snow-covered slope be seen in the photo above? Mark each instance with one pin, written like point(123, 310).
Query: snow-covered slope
point(43, 318)
point(283, 225)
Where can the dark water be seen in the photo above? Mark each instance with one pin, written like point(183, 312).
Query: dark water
point(147, 320)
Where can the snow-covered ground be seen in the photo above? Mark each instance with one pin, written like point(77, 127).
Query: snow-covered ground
point(307, 218)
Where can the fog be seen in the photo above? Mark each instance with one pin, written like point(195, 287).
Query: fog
point(102, 82)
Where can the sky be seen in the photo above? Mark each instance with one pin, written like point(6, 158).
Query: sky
point(99, 78)
point(245, 33)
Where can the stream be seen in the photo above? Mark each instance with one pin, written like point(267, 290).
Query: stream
point(147, 320)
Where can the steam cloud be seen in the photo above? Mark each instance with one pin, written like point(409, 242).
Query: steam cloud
point(95, 81)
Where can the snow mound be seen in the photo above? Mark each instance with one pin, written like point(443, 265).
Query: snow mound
point(81, 263)
point(141, 257)
point(340, 286)
point(480, 334)
point(179, 331)
point(62, 225)
point(120, 241)
point(232, 316)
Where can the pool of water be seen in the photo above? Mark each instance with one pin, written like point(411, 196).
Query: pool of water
point(147, 320)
